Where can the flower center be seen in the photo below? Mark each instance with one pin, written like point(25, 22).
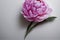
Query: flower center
point(39, 0)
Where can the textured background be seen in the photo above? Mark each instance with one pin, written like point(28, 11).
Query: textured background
point(13, 25)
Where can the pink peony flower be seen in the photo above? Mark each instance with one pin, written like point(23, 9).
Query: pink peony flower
point(35, 10)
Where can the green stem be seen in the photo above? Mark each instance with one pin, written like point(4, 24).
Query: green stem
point(28, 29)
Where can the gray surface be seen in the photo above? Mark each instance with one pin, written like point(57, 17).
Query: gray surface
point(12, 29)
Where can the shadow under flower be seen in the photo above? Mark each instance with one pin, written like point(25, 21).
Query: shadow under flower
point(23, 23)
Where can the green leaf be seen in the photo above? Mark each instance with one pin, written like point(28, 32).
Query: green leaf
point(50, 19)
point(45, 21)
point(28, 29)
